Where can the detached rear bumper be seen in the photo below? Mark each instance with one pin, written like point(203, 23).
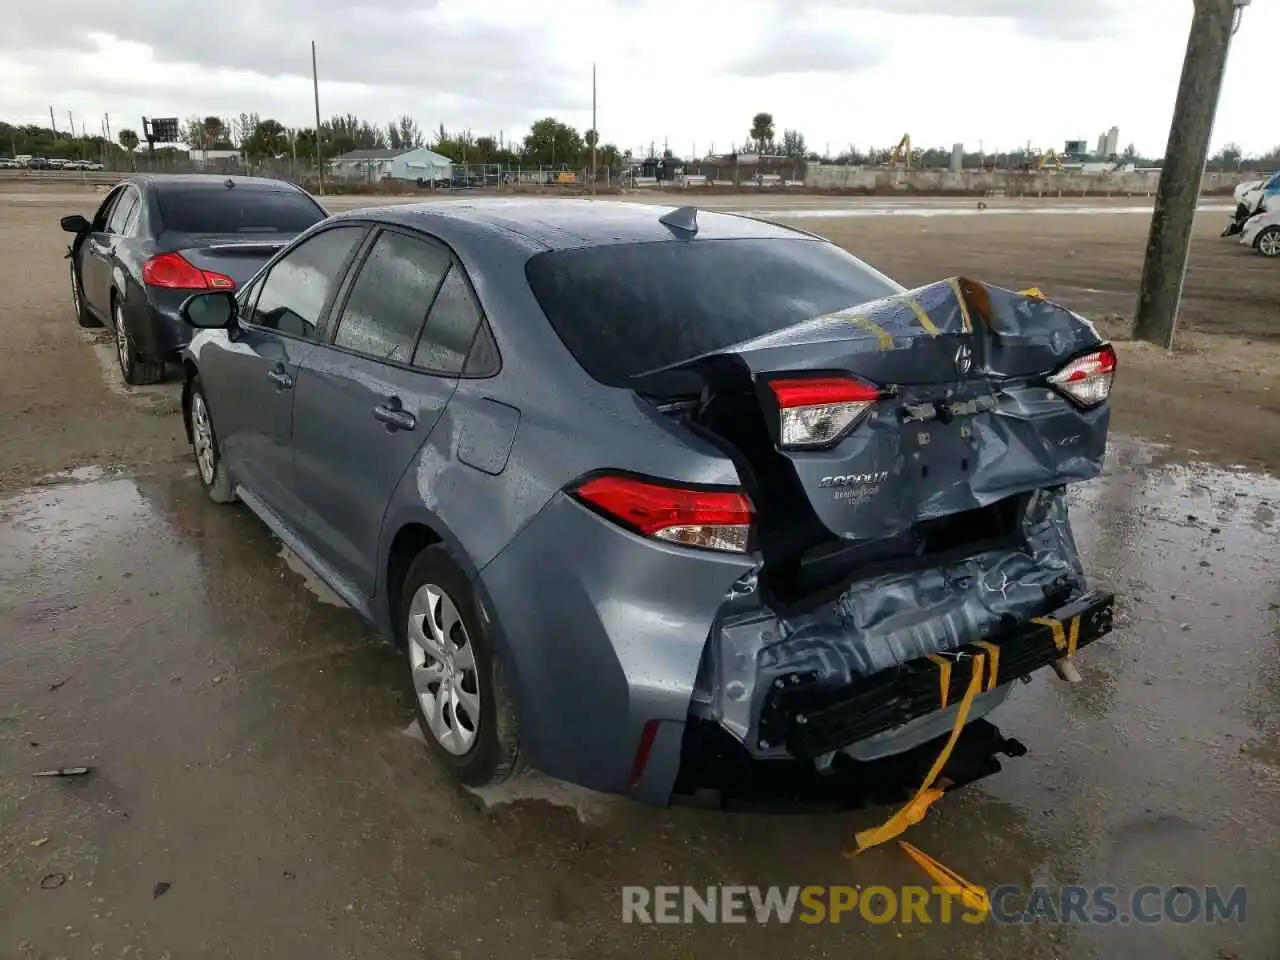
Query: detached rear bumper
point(718, 771)
point(812, 722)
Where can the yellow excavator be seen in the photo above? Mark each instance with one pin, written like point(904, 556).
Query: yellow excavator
point(902, 152)
point(1050, 158)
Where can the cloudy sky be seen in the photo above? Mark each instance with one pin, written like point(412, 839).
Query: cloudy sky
point(999, 72)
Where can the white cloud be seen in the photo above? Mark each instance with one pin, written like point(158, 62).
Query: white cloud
point(841, 71)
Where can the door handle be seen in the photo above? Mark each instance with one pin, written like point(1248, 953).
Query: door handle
point(395, 416)
point(281, 378)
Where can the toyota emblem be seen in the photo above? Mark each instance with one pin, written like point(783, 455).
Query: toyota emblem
point(964, 360)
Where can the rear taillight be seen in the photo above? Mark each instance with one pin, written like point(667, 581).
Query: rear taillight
point(817, 411)
point(1087, 380)
point(710, 519)
point(175, 272)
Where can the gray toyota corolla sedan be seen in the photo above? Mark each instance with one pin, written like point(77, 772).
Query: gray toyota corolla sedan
point(661, 501)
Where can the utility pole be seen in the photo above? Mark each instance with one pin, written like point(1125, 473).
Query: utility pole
point(52, 122)
point(315, 87)
point(595, 131)
point(1169, 243)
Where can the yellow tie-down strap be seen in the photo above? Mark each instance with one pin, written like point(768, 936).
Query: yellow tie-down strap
point(944, 679)
point(973, 896)
point(927, 795)
point(1066, 637)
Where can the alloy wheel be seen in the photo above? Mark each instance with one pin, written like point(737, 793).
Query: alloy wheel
point(1269, 243)
point(202, 438)
point(122, 340)
point(443, 663)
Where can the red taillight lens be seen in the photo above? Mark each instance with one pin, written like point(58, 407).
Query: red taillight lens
point(1087, 380)
point(817, 411)
point(174, 272)
point(710, 519)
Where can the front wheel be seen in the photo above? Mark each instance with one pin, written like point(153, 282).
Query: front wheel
point(1268, 242)
point(83, 317)
point(457, 686)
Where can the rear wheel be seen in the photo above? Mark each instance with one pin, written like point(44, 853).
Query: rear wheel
point(1268, 242)
point(135, 370)
point(457, 686)
point(213, 473)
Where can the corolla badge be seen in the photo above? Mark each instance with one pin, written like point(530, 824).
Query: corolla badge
point(964, 360)
point(855, 479)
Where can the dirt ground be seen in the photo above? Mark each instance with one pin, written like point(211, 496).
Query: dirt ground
point(255, 793)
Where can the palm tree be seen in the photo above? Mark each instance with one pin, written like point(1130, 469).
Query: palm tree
point(129, 140)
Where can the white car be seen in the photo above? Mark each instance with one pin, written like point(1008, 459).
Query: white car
point(1242, 190)
point(1262, 232)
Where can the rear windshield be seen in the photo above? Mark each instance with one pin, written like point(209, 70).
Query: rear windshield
point(626, 309)
point(237, 210)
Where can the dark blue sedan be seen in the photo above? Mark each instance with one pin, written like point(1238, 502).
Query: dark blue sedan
point(157, 239)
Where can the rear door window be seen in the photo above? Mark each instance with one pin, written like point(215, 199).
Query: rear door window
point(121, 212)
point(451, 327)
point(225, 210)
point(103, 216)
point(626, 309)
point(384, 314)
point(293, 295)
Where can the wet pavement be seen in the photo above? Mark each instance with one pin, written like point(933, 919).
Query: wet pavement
point(255, 793)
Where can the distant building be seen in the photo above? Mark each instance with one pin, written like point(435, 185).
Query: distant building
point(1109, 143)
point(216, 159)
point(411, 165)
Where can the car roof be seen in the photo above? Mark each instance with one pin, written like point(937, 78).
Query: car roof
point(563, 224)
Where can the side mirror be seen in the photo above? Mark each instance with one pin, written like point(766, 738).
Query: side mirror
point(209, 311)
point(75, 224)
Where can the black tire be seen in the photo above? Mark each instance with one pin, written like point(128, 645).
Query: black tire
point(219, 485)
point(83, 317)
point(136, 371)
point(1269, 234)
point(494, 755)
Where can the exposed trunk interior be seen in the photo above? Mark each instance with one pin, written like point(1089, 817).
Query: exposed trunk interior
point(803, 561)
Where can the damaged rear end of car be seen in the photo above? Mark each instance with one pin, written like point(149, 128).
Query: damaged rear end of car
point(904, 465)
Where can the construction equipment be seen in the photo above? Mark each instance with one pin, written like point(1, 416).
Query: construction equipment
point(903, 151)
point(1050, 158)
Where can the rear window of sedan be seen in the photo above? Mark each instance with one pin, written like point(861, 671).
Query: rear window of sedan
point(626, 309)
point(236, 210)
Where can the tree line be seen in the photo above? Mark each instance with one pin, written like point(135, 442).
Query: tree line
point(549, 142)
